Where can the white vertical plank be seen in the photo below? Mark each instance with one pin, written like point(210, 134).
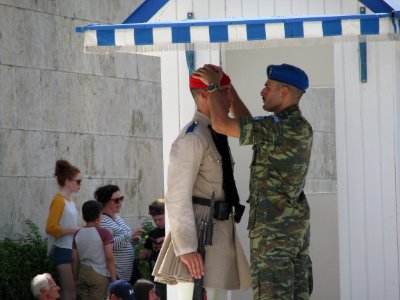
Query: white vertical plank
point(283, 7)
point(170, 102)
point(201, 11)
point(333, 7)
point(266, 8)
point(299, 7)
point(250, 8)
point(316, 7)
point(388, 96)
point(233, 8)
point(355, 172)
point(183, 7)
point(342, 176)
point(167, 12)
point(349, 7)
point(373, 179)
point(186, 102)
point(169, 94)
point(397, 137)
point(216, 9)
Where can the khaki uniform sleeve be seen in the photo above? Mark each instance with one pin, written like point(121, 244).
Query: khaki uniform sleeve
point(185, 159)
point(55, 213)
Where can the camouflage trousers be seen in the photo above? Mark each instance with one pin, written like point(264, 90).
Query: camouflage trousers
point(281, 267)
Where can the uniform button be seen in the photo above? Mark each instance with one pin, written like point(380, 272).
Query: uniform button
point(218, 161)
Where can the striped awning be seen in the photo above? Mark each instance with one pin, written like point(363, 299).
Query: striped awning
point(235, 32)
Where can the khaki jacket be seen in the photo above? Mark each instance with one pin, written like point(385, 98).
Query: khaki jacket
point(195, 169)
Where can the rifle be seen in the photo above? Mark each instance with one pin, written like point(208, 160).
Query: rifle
point(204, 238)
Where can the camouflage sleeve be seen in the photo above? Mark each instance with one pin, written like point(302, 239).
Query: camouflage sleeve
point(258, 130)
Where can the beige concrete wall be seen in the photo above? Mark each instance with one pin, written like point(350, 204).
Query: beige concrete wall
point(102, 113)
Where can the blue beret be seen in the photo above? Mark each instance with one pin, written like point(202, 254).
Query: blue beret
point(288, 74)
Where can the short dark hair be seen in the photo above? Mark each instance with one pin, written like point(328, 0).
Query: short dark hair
point(156, 207)
point(91, 210)
point(104, 193)
point(142, 287)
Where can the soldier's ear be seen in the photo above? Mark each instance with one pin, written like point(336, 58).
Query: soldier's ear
point(203, 95)
point(285, 91)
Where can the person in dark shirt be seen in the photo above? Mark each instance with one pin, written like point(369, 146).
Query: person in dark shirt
point(154, 241)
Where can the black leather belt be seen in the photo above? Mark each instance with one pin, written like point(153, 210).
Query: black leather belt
point(201, 201)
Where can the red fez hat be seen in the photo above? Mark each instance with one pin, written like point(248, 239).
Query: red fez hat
point(195, 83)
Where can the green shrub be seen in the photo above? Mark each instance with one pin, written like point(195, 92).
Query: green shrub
point(143, 265)
point(20, 260)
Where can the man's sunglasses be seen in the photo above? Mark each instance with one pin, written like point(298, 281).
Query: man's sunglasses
point(117, 200)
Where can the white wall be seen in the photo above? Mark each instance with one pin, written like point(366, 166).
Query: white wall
point(367, 118)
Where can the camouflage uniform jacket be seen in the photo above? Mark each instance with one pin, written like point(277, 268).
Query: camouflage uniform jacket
point(281, 154)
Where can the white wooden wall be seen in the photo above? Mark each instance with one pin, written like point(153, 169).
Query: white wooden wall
point(367, 122)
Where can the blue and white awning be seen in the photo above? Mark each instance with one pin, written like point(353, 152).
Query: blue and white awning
point(235, 33)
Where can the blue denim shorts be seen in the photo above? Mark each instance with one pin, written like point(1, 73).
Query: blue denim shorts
point(61, 256)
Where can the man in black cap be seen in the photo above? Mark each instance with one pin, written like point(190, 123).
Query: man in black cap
point(279, 217)
point(120, 290)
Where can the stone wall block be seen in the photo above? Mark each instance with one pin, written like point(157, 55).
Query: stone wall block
point(131, 158)
point(8, 103)
point(16, 3)
point(29, 98)
point(68, 146)
point(113, 105)
point(92, 154)
point(114, 149)
point(105, 11)
point(34, 199)
point(126, 65)
point(145, 100)
point(39, 36)
point(47, 6)
point(323, 157)
point(149, 68)
point(56, 107)
point(84, 104)
point(87, 10)
point(12, 153)
point(62, 42)
point(8, 207)
point(129, 188)
point(66, 9)
point(12, 38)
point(318, 106)
point(149, 163)
point(40, 155)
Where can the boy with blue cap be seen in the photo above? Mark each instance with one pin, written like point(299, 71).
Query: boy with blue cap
point(120, 290)
point(279, 217)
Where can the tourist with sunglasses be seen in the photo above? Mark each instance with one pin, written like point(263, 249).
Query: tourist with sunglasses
point(62, 224)
point(123, 236)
